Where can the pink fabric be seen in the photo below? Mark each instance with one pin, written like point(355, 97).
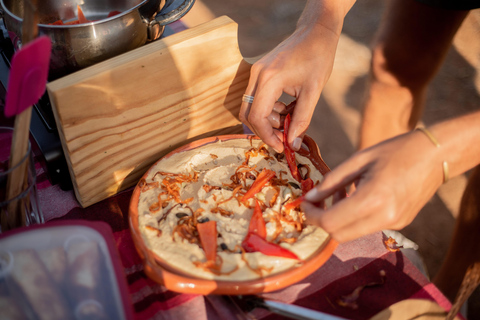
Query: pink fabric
point(352, 265)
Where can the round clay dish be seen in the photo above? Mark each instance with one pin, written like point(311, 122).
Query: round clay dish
point(175, 280)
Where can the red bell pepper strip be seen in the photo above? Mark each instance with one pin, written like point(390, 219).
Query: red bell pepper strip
point(262, 179)
point(81, 19)
point(81, 16)
point(289, 153)
point(57, 23)
point(113, 13)
point(254, 243)
point(295, 203)
point(208, 238)
point(72, 22)
point(257, 224)
point(307, 185)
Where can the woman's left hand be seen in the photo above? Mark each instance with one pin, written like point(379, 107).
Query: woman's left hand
point(393, 181)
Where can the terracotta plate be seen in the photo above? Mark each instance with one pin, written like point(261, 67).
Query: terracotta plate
point(175, 280)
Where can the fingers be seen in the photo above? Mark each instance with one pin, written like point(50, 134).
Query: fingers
point(264, 115)
point(277, 116)
point(360, 227)
point(344, 221)
point(257, 115)
point(301, 117)
point(355, 217)
point(263, 125)
point(337, 217)
point(264, 129)
point(261, 109)
point(344, 211)
point(280, 107)
point(347, 173)
point(275, 119)
point(377, 203)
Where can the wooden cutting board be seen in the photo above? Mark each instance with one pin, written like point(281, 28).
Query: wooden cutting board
point(118, 117)
point(413, 309)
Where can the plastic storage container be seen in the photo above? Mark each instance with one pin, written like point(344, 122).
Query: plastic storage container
point(62, 270)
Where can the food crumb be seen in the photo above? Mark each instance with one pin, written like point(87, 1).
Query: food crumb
point(391, 245)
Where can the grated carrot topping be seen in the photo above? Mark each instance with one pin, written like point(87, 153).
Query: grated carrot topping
point(223, 212)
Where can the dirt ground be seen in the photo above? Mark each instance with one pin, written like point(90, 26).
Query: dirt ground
point(454, 91)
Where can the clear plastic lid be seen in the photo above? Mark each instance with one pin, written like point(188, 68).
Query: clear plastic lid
point(62, 271)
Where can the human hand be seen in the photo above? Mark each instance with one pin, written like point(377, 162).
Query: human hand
point(300, 66)
point(393, 181)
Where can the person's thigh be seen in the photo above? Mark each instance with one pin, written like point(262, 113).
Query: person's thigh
point(464, 249)
point(409, 48)
point(414, 39)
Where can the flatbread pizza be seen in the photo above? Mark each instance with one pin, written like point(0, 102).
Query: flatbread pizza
point(229, 210)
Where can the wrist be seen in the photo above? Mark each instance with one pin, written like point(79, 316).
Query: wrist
point(460, 142)
point(326, 14)
point(444, 164)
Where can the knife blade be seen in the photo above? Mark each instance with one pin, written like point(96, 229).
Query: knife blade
point(297, 312)
point(287, 310)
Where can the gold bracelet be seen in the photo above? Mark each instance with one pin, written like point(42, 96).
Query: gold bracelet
point(434, 140)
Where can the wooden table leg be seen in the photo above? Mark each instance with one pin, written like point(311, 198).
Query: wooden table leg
point(469, 284)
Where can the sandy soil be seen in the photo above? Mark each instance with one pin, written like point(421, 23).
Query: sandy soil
point(454, 91)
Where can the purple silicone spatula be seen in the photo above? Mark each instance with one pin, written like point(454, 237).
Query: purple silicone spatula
point(27, 80)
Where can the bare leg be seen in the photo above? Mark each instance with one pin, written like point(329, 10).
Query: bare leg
point(409, 48)
point(464, 249)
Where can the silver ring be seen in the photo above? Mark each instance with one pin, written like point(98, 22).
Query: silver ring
point(248, 99)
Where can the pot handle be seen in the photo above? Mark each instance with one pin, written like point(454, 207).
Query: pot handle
point(173, 11)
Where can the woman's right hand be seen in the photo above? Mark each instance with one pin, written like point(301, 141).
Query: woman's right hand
point(300, 66)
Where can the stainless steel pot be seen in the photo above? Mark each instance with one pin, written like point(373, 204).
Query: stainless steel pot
point(75, 47)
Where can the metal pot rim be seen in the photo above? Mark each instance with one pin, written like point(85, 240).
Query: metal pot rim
point(42, 25)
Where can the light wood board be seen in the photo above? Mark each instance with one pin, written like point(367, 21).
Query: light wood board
point(118, 117)
point(413, 309)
